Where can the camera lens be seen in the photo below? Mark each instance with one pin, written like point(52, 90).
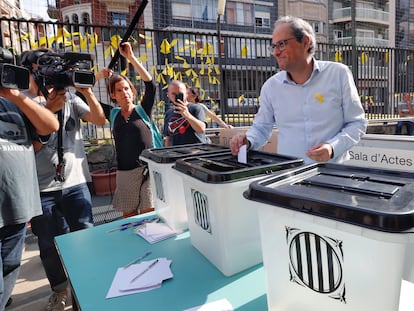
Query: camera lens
point(8, 76)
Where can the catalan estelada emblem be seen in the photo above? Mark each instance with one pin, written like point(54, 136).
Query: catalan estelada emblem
point(316, 262)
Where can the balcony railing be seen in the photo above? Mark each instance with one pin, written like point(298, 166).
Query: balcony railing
point(362, 41)
point(362, 14)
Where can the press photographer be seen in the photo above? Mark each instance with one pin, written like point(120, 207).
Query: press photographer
point(21, 119)
point(62, 166)
point(52, 74)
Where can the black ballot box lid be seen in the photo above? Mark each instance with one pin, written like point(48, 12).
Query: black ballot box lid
point(220, 168)
point(172, 153)
point(378, 199)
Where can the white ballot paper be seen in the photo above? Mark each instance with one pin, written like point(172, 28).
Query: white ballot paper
point(219, 305)
point(155, 231)
point(141, 277)
point(242, 155)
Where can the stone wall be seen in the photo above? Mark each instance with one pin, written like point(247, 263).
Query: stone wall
point(101, 156)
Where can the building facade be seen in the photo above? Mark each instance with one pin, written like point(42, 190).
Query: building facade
point(11, 32)
point(227, 55)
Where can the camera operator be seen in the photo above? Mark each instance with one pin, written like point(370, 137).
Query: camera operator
point(21, 119)
point(62, 168)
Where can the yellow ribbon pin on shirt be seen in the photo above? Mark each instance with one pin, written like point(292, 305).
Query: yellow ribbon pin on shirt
point(319, 98)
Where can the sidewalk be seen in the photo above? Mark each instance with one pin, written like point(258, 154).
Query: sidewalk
point(32, 288)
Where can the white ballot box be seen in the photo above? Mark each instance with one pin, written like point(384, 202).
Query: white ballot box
point(334, 237)
point(221, 227)
point(166, 184)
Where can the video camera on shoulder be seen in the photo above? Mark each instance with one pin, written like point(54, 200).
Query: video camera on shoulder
point(63, 69)
point(12, 76)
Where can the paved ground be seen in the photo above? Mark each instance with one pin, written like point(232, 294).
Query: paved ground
point(32, 289)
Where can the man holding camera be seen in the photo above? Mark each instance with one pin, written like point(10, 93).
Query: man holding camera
point(21, 119)
point(62, 166)
point(184, 122)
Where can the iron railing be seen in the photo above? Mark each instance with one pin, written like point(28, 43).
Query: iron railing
point(231, 86)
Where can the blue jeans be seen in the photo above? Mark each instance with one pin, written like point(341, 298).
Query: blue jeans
point(408, 124)
point(63, 211)
point(11, 245)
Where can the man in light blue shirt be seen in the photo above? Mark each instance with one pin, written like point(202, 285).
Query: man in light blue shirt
point(314, 104)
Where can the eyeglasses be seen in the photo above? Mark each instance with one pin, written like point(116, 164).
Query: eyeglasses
point(280, 45)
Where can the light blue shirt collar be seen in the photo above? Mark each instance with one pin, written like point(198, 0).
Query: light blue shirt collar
point(316, 70)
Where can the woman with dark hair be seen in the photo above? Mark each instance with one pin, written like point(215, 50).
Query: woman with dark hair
point(131, 134)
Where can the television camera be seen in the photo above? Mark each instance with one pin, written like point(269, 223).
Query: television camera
point(12, 76)
point(61, 70)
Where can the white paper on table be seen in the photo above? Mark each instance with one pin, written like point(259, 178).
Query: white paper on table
point(151, 279)
point(219, 305)
point(154, 232)
point(242, 155)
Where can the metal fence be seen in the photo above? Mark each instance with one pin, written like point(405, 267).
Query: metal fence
point(228, 69)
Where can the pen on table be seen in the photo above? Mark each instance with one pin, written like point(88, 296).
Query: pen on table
point(145, 223)
point(132, 224)
point(138, 259)
point(145, 271)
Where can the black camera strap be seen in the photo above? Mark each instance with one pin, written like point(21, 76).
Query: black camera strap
point(60, 167)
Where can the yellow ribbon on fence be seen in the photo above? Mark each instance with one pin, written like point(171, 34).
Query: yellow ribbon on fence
point(88, 41)
point(244, 51)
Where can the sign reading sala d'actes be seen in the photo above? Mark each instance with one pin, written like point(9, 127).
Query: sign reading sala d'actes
point(400, 159)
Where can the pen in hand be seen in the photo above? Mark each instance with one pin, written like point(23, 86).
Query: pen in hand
point(145, 271)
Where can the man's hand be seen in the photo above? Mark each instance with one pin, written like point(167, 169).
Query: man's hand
point(85, 91)
point(237, 141)
point(320, 152)
point(181, 108)
point(103, 74)
point(9, 93)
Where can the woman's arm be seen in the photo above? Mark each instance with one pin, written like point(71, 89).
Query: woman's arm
point(125, 50)
point(410, 109)
point(216, 118)
point(167, 141)
point(150, 88)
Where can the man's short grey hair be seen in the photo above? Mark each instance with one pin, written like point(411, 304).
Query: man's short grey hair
point(300, 29)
